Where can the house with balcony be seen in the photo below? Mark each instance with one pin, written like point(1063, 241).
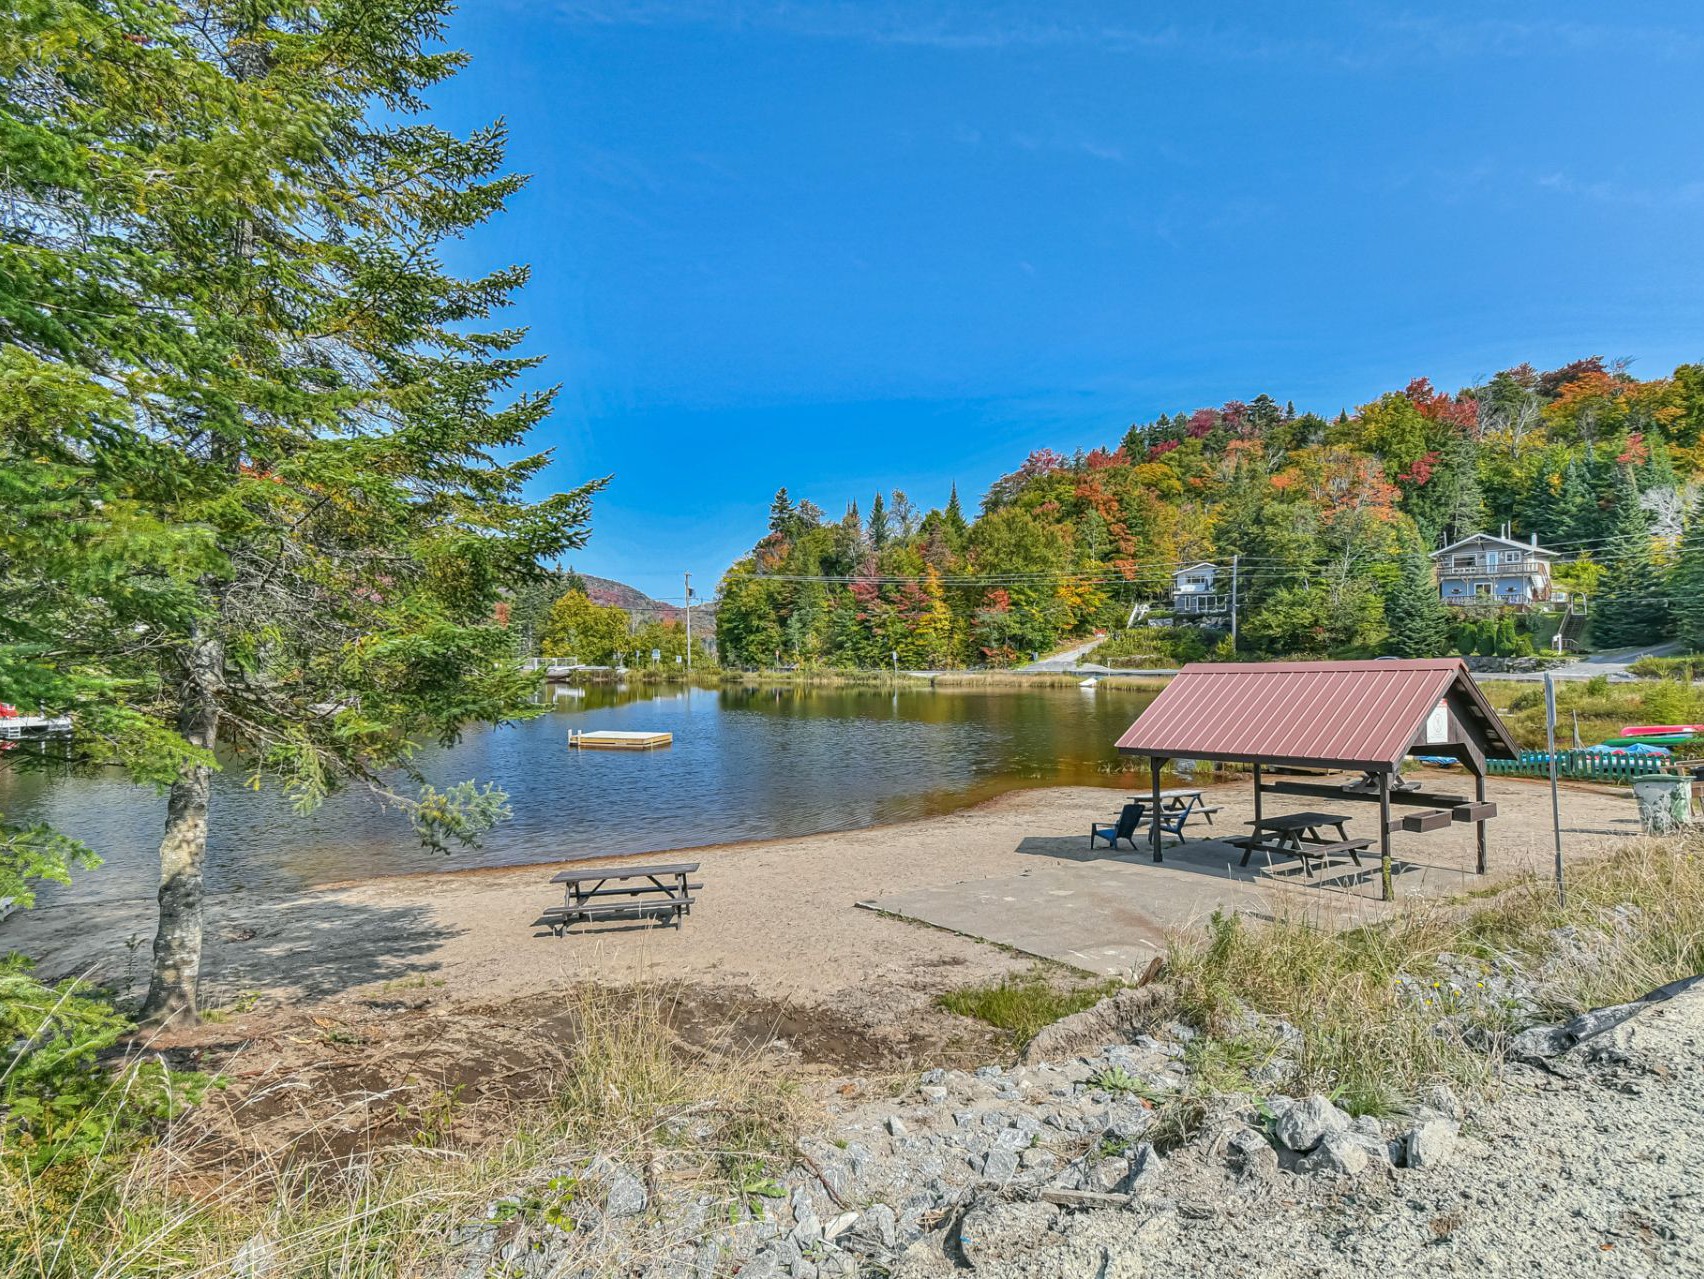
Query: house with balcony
point(1489, 570)
point(1196, 593)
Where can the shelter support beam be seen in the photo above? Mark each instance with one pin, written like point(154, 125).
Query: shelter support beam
point(1384, 836)
point(1479, 826)
point(1257, 793)
point(1154, 812)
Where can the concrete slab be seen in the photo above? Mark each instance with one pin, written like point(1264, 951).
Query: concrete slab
point(1110, 913)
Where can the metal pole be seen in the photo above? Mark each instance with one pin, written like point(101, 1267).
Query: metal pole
point(689, 623)
point(1235, 560)
point(1555, 796)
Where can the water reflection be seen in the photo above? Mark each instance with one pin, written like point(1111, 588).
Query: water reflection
point(747, 763)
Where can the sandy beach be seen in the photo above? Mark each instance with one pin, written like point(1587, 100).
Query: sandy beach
point(779, 917)
point(326, 1006)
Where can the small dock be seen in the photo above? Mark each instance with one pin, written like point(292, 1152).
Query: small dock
point(609, 739)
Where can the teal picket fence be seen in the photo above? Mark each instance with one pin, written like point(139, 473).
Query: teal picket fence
point(1585, 766)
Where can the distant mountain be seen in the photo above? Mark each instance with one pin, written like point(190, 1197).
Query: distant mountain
point(605, 590)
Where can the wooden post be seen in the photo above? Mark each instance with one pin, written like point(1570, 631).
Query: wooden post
point(1479, 826)
point(1257, 797)
point(1384, 835)
point(1154, 815)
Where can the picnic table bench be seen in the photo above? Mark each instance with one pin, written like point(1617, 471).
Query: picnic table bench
point(1298, 835)
point(662, 892)
point(1177, 806)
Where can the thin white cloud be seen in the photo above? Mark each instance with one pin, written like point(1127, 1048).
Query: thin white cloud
point(1368, 38)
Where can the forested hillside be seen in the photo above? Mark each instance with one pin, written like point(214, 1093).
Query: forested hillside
point(1332, 520)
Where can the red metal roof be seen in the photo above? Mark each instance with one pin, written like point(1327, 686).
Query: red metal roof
point(1362, 715)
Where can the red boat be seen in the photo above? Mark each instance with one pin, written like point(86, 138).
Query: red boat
point(1660, 730)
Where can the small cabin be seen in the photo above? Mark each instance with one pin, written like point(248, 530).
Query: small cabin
point(1489, 570)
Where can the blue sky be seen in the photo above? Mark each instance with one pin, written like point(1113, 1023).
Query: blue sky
point(843, 246)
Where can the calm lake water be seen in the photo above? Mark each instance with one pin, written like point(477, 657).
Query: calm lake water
point(745, 764)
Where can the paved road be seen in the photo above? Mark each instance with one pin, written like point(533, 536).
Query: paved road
point(1611, 662)
point(1069, 659)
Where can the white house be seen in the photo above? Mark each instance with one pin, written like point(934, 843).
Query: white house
point(1195, 591)
point(1487, 569)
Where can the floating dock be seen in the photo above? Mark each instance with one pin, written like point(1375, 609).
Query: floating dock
point(609, 739)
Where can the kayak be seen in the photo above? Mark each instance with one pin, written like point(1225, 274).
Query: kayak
point(1651, 739)
point(1660, 730)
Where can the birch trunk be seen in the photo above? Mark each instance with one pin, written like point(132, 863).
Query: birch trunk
point(183, 850)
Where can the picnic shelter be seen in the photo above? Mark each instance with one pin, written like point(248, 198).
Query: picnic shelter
point(1364, 717)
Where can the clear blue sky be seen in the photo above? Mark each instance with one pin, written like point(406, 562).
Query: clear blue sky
point(842, 246)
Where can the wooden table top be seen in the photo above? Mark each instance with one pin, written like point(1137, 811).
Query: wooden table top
point(1298, 821)
point(623, 872)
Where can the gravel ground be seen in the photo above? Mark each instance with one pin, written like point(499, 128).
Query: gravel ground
point(1588, 1169)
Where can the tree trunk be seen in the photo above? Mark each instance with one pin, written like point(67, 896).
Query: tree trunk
point(177, 942)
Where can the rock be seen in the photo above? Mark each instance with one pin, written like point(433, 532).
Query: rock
point(934, 1094)
point(994, 1231)
point(839, 1225)
point(1117, 1019)
point(1251, 1154)
point(1127, 1121)
point(1339, 1154)
point(877, 1231)
point(1144, 1165)
point(624, 1194)
point(1000, 1165)
point(1442, 1099)
point(1429, 1145)
point(1035, 1157)
point(1303, 1125)
point(896, 1126)
point(765, 1265)
point(935, 1076)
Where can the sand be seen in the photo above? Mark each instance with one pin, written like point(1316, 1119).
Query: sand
point(775, 917)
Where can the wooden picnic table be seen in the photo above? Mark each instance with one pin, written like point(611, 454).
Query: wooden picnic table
point(1298, 835)
point(659, 890)
point(1179, 803)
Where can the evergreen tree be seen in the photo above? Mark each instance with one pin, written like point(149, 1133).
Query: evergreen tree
point(879, 531)
point(1686, 583)
point(1418, 621)
point(226, 331)
point(782, 514)
point(957, 528)
point(1631, 606)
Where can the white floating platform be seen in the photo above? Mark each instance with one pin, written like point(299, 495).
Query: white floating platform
point(609, 739)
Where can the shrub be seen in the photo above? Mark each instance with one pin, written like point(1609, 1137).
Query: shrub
point(62, 1097)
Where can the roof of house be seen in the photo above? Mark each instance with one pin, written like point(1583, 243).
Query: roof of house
point(1190, 568)
point(1351, 715)
point(1531, 548)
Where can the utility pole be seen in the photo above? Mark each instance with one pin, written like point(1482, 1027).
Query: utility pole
point(689, 623)
point(1235, 563)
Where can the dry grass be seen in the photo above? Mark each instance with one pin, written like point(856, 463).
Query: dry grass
point(628, 1091)
point(1368, 1003)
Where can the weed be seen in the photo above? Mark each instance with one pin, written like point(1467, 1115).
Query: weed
point(1022, 1005)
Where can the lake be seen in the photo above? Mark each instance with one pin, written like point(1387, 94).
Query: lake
point(745, 764)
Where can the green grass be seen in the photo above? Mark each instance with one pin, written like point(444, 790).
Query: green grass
point(1684, 666)
point(1023, 1004)
point(1601, 709)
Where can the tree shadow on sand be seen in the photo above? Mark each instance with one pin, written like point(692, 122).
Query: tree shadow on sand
point(301, 947)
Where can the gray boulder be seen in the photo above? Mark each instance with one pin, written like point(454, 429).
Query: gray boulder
point(1430, 1145)
point(1339, 1154)
point(1304, 1124)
